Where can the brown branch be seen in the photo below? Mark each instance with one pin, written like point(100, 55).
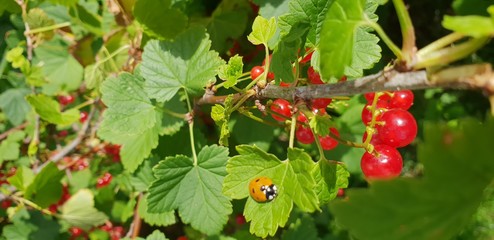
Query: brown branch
point(136, 222)
point(478, 76)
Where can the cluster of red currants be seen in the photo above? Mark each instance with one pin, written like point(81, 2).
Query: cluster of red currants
point(65, 100)
point(392, 127)
point(115, 232)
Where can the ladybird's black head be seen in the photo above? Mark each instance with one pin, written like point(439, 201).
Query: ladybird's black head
point(270, 191)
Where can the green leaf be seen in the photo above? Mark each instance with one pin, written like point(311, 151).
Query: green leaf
point(46, 187)
point(221, 116)
point(283, 57)
point(262, 137)
point(344, 40)
point(474, 26)
point(159, 19)
point(16, 57)
point(262, 30)
point(321, 124)
point(18, 231)
point(456, 172)
point(79, 211)
point(85, 18)
point(60, 68)
point(143, 176)
point(171, 124)
point(14, 104)
point(329, 176)
point(80, 179)
point(9, 6)
point(184, 63)
point(10, 147)
point(93, 76)
point(232, 71)
point(292, 177)
point(155, 219)
point(22, 179)
point(193, 189)
point(67, 3)
point(131, 120)
point(156, 235)
point(49, 110)
point(471, 7)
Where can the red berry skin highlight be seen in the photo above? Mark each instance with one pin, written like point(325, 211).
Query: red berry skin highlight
point(385, 163)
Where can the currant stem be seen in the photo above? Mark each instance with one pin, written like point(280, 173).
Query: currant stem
point(48, 28)
point(191, 128)
point(440, 43)
point(397, 52)
point(293, 125)
point(33, 205)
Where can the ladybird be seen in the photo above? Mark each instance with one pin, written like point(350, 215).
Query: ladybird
point(262, 189)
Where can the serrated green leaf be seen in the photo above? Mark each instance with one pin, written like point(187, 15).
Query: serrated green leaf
point(320, 124)
point(46, 187)
point(156, 235)
point(329, 176)
point(62, 70)
point(10, 147)
point(184, 63)
point(87, 19)
point(22, 179)
point(155, 219)
point(9, 6)
point(284, 55)
point(456, 172)
point(471, 7)
point(49, 110)
point(263, 136)
point(37, 18)
point(474, 26)
point(232, 71)
point(93, 76)
point(143, 176)
point(195, 190)
point(79, 211)
point(64, 2)
point(80, 179)
point(262, 30)
point(294, 182)
point(18, 231)
point(159, 19)
point(129, 110)
point(344, 40)
point(221, 116)
point(46, 228)
point(14, 104)
point(15, 57)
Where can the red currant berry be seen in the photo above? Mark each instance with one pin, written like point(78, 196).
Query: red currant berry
point(282, 107)
point(313, 76)
point(301, 117)
point(6, 204)
point(399, 128)
point(76, 232)
point(256, 71)
point(304, 135)
point(382, 101)
point(66, 99)
point(374, 141)
point(327, 142)
point(307, 58)
point(321, 102)
point(401, 99)
point(385, 163)
point(117, 233)
point(343, 78)
point(366, 114)
point(104, 180)
point(341, 192)
point(240, 219)
point(183, 238)
point(83, 117)
point(270, 76)
point(284, 84)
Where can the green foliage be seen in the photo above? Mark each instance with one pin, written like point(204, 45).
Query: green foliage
point(10, 147)
point(193, 186)
point(46, 187)
point(185, 63)
point(262, 30)
point(159, 19)
point(346, 46)
point(232, 71)
point(292, 177)
point(79, 211)
point(221, 116)
point(49, 110)
point(14, 104)
point(455, 193)
point(475, 26)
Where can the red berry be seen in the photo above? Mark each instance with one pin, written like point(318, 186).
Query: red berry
point(383, 100)
point(6, 203)
point(341, 192)
point(240, 219)
point(53, 208)
point(107, 227)
point(284, 84)
point(307, 58)
point(386, 163)
point(301, 117)
point(401, 99)
point(327, 142)
point(62, 133)
point(270, 76)
point(399, 128)
point(113, 151)
point(313, 76)
point(256, 71)
point(182, 238)
point(76, 232)
point(304, 135)
point(117, 233)
point(366, 114)
point(66, 99)
point(83, 117)
point(282, 107)
point(321, 102)
point(104, 180)
point(343, 78)
point(80, 164)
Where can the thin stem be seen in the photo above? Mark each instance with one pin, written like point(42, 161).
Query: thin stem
point(173, 114)
point(397, 52)
point(48, 28)
point(191, 129)
point(258, 119)
point(293, 125)
point(33, 205)
point(113, 54)
point(136, 222)
point(112, 62)
point(84, 104)
point(440, 43)
point(407, 31)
